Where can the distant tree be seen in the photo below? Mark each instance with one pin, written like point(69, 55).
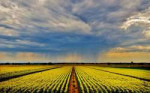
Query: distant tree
point(28, 63)
point(108, 63)
point(131, 62)
point(49, 62)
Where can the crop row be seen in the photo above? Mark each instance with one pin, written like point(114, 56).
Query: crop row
point(96, 81)
point(21, 72)
point(90, 80)
point(4, 69)
point(139, 73)
point(51, 81)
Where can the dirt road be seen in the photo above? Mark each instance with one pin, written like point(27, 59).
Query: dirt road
point(73, 85)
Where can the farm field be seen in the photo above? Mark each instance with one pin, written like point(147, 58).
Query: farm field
point(12, 71)
point(75, 79)
point(139, 73)
point(14, 68)
point(55, 80)
point(99, 81)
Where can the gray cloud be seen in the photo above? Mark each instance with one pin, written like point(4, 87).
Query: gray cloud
point(71, 25)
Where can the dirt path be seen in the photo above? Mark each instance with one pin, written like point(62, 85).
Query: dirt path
point(73, 85)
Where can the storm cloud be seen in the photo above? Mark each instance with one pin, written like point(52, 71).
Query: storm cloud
point(88, 28)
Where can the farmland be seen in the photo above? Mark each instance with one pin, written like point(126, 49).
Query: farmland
point(52, 80)
point(100, 81)
point(73, 79)
point(139, 73)
point(8, 72)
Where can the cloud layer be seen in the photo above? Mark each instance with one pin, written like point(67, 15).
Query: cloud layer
point(87, 28)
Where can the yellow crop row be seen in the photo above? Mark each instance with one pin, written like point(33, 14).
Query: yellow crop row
point(12, 72)
point(14, 68)
point(55, 80)
point(92, 80)
point(127, 71)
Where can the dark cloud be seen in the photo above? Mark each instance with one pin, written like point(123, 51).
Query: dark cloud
point(86, 27)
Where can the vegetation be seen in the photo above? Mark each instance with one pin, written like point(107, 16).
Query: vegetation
point(139, 73)
point(8, 72)
point(88, 79)
point(97, 81)
point(55, 80)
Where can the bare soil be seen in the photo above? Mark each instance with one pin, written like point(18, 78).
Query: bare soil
point(73, 85)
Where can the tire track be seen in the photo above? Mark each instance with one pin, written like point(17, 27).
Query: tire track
point(123, 74)
point(20, 75)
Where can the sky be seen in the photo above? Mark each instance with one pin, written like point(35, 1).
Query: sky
point(74, 30)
